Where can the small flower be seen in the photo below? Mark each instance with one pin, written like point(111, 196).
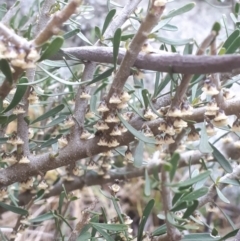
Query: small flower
point(162, 126)
point(237, 144)
point(179, 214)
point(5, 104)
point(18, 110)
point(85, 135)
point(28, 184)
point(163, 111)
point(33, 55)
point(168, 139)
point(211, 131)
point(43, 185)
point(127, 116)
point(113, 143)
point(18, 63)
point(160, 3)
point(89, 114)
point(107, 154)
point(125, 97)
point(24, 160)
point(209, 88)
point(115, 188)
point(9, 159)
point(129, 155)
point(102, 107)
point(122, 128)
point(236, 125)
point(147, 48)
point(159, 139)
point(211, 108)
point(186, 109)
point(170, 130)
point(150, 115)
point(127, 220)
point(69, 122)
point(62, 142)
point(116, 131)
point(193, 136)
point(174, 112)
point(112, 118)
point(179, 123)
point(101, 126)
point(85, 95)
point(30, 133)
point(227, 94)
point(76, 171)
point(33, 98)
point(220, 115)
point(122, 106)
point(102, 142)
point(115, 99)
point(15, 140)
point(147, 131)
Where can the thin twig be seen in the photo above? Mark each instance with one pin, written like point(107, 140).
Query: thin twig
point(11, 13)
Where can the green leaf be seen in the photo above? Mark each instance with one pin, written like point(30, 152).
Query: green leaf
point(21, 89)
point(179, 11)
point(108, 20)
point(145, 98)
point(174, 162)
point(190, 209)
point(98, 32)
point(110, 227)
point(5, 68)
point(147, 211)
point(179, 206)
point(216, 27)
point(106, 236)
point(59, 79)
point(229, 235)
point(60, 202)
point(231, 39)
point(223, 162)
point(14, 209)
point(71, 33)
point(3, 140)
point(10, 119)
point(50, 141)
point(195, 194)
point(136, 133)
point(233, 182)
point(41, 218)
point(234, 46)
point(56, 121)
point(204, 145)
point(50, 113)
point(221, 196)
point(104, 75)
point(160, 230)
point(147, 186)
point(138, 154)
point(170, 27)
point(116, 44)
point(193, 180)
point(198, 237)
point(82, 37)
point(175, 42)
point(52, 48)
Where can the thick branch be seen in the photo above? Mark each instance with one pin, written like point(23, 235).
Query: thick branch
point(163, 62)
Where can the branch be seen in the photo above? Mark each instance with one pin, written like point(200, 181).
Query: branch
point(162, 62)
point(72, 153)
point(11, 12)
point(123, 72)
point(81, 104)
point(52, 27)
point(182, 88)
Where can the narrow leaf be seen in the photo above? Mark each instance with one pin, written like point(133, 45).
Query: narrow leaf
point(50, 113)
point(5, 68)
point(204, 145)
point(160, 230)
point(104, 75)
point(138, 154)
point(234, 46)
point(147, 211)
point(147, 186)
point(116, 44)
point(110, 227)
point(180, 11)
point(223, 162)
point(136, 133)
point(41, 218)
point(195, 194)
point(71, 33)
point(221, 196)
point(190, 209)
point(174, 161)
point(98, 32)
point(232, 37)
point(106, 236)
point(21, 89)
point(108, 20)
point(52, 48)
point(14, 209)
point(193, 180)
